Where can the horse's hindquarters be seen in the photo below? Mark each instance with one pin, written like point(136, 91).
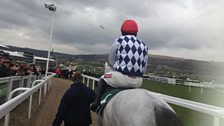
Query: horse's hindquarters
point(134, 107)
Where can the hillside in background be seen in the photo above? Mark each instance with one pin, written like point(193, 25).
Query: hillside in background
point(158, 65)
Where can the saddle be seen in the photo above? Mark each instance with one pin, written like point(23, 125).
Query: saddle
point(106, 97)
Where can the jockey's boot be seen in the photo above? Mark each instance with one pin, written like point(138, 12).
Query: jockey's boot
point(99, 92)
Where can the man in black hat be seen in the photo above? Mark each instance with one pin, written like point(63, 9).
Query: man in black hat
point(74, 107)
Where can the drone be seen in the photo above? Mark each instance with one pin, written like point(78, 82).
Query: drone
point(50, 7)
point(101, 26)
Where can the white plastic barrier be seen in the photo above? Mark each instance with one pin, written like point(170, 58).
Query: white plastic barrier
point(92, 78)
point(11, 104)
point(13, 82)
point(216, 112)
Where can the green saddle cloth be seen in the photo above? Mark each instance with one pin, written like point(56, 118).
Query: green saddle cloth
point(106, 97)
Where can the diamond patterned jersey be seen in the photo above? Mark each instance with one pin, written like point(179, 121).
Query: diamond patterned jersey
point(131, 56)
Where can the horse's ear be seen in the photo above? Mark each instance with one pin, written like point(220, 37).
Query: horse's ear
point(166, 117)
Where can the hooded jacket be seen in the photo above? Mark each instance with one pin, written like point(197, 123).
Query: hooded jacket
point(74, 106)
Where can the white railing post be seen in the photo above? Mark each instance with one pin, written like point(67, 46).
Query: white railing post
point(189, 88)
point(45, 88)
point(9, 86)
point(49, 85)
point(50, 82)
point(29, 81)
point(216, 121)
point(35, 78)
point(87, 82)
point(21, 82)
point(93, 86)
point(40, 95)
point(83, 80)
point(30, 107)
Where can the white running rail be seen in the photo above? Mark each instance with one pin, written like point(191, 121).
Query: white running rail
point(11, 104)
point(7, 84)
point(216, 112)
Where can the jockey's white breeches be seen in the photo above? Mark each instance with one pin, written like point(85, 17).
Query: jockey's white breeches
point(117, 79)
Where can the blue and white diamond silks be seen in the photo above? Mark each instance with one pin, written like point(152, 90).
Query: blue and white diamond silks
point(132, 56)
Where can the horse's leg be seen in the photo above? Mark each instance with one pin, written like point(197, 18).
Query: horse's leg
point(166, 117)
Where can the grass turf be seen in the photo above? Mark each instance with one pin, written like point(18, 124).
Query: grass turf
point(187, 116)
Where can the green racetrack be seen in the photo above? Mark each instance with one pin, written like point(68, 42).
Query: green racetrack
point(187, 116)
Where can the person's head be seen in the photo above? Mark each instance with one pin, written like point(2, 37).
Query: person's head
point(24, 65)
point(129, 27)
point(33, 67)
point(77, 76)
point(18, 63)
point(11, 65)
point(1, 60)
point(6, 63)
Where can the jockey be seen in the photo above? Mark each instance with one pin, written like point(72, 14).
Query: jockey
point(128, 59)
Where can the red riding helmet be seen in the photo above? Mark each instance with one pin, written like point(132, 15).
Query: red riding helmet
point(129, 26)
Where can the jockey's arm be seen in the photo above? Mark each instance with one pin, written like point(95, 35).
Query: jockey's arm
point(113, 54)
point(146, 64)
point(146, 59)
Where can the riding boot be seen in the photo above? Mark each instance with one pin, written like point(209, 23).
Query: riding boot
point(99, 92)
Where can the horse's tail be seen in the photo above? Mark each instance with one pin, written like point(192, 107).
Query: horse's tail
point(166, 117)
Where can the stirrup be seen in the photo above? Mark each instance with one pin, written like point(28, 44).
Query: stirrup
point(93, 107)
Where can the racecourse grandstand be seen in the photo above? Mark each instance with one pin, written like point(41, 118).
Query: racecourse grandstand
point(26, 57)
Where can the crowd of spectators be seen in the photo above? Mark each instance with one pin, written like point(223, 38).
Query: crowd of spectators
point(18, 68)
point(92, 74)
point(64, 73)
point(21, 68)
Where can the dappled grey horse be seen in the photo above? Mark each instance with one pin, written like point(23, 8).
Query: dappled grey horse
point(138, 107)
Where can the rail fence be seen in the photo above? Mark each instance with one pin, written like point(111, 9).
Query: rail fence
point(7, 84)
point(216, 112)
point(24, 91)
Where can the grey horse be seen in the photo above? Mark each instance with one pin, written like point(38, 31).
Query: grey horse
point(138, 107)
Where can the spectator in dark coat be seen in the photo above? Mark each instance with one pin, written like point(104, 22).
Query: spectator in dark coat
point(4, 67)
point(74, 107)
point(13, 69)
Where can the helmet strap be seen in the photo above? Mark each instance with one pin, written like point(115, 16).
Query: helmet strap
point(125, 33)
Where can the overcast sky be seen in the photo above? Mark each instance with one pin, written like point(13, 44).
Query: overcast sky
point(183, 28)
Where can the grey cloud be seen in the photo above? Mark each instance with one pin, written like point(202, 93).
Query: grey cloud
point(172, 38)
point(87, 33)
point(75, 24)
point(24, 14)
point(124, 8)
